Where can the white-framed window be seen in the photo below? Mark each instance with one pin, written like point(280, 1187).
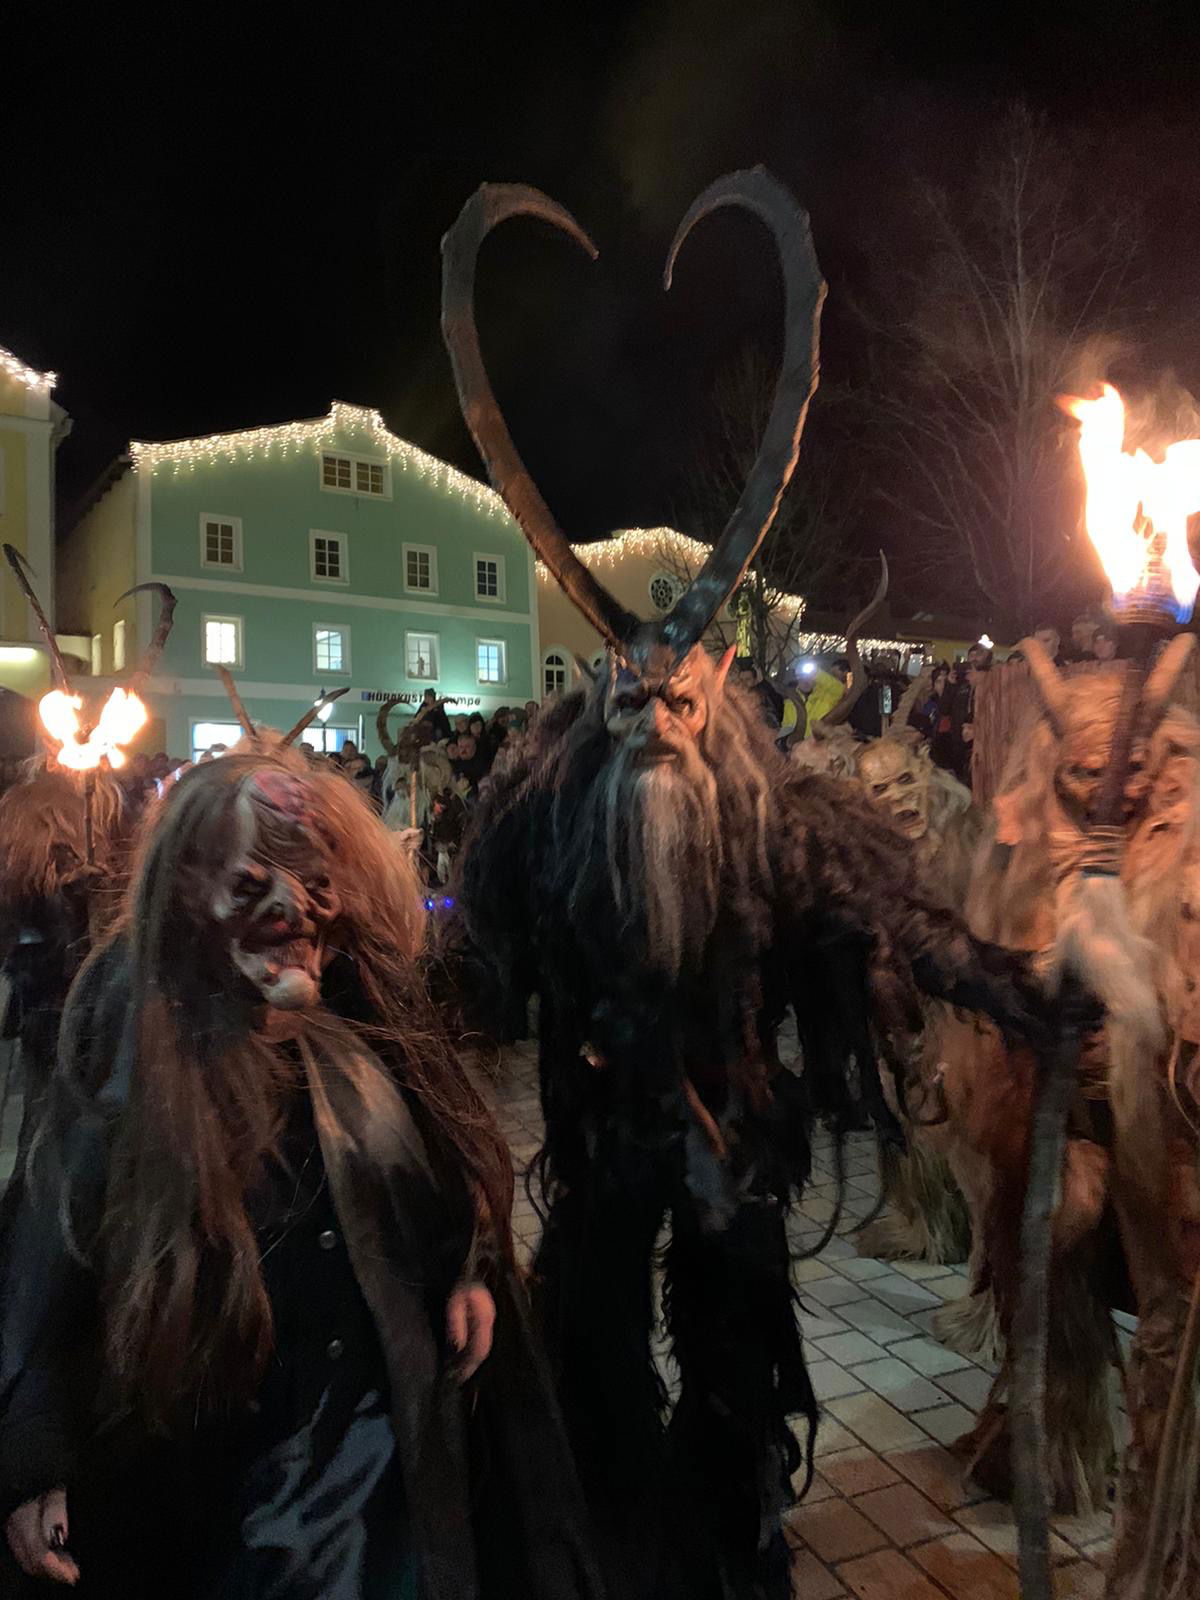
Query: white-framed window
point(489, 579)
point(355, 475)
point(220, 541)
point(331, 647)
point(665, 589)
point(556, 671)
point(97, 654)
point(320, 736)
point(421, 656)
point(221, 639)
point(205, 735)
point(420, 569)
point(491, 665)
point(119, 646)
point(329, 559)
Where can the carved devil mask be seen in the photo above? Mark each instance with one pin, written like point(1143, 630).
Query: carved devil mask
point(273, 898)
point(895, 777)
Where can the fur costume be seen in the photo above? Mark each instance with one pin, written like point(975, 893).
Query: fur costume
point(669, 885)
point(223, 1322)
point(1129, 1175)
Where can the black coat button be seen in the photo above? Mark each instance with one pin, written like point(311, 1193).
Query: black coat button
point(335, 1349)
point(327, 1240)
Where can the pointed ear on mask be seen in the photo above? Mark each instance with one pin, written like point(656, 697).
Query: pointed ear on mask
point(724, 665)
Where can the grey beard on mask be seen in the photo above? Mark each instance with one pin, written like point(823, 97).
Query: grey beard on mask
point(662, 834)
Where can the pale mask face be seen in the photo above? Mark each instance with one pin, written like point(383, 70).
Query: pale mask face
point(894, 778)
point(273, 899)
point(1079, 776)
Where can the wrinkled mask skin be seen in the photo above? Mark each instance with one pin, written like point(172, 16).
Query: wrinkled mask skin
point(1082, 763)
point(656, 713)
point(893, 777)
point(273, 899)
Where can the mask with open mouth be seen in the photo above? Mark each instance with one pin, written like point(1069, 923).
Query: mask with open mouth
point(897, 776)
point(273, 898)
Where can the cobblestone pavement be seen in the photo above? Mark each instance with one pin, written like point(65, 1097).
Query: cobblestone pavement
point(889, 1516)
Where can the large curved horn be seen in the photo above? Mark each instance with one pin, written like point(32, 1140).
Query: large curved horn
point(1156, 695)
point(381, 727)
point(325, 700)
point(235, 700)
point(490, 205)
point(154, 649)
point(804, 291)
point(20, 568)
point(837, 714)
point(1050, 686)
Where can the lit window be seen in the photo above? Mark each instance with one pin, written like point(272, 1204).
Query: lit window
point(118, 647)
point(97, 655)
point(329, 563)
point(421, 655)
point(322, 737)
point(554, 672)
point(223, 641)
point(420, 569)
point(207, 735)
point(221, 541)
point(352, 475)
point(489, 578)
point(331, 648)
point(489, 661)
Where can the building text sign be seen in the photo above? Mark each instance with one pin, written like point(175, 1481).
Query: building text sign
point(413, 697)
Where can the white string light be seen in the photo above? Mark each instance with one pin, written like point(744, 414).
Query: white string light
point(17, 369)
point(185, 455)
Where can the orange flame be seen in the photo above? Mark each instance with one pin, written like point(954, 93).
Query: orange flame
point(1137, 508)
point(122, 716)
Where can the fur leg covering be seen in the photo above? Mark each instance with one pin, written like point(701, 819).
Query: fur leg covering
point(1149, 1378)
point(927, 1218)
point(971, 1327)
point(732, 1319)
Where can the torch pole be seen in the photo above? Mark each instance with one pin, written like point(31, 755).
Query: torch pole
point(1052, 1106)
point(89, 830)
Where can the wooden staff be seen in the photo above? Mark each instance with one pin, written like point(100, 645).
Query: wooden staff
point(412, 796)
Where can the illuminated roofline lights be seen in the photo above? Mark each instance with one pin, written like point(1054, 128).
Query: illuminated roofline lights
point(184, 455)
point(32, 379)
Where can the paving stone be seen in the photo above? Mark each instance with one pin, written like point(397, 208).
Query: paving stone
point(904, 1514)
point(857, 1471)
point(829, 1380)
point(966, 1569)
point(887, 1576)
point(875, 1422)
point(812, 1269)
point(928, 1357)
point(1078, 1580)
point(921, 1271)
point(993, 1525)
point(839, 1250)
point(951, 1288)
point(812, 1579)
point(937, 1473)
point(902, 1294)
point(816, 1207)
point(850, 1347)
point(971, 1386)
point(820, 1324)
point(834, 1291)
point(832, 1436)
point(900, 1384)
point(1086, 1531)
point(877, 1321)
point(863, 1267)
point(835, 1531)
point(948, 1423)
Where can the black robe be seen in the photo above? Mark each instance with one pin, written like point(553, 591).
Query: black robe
point(362, 1470)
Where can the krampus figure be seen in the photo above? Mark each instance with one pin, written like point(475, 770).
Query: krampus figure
point(656, 871)
point(1129, 1175)
point(263, 1243)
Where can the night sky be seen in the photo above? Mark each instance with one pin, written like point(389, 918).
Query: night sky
point(235, 219)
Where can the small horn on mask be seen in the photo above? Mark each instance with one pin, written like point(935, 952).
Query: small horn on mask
point(838, 714)
point(154, 649)
point(20, 569)
point(490, 205)
point(1050, 686)
point(235, 700)
point(804, 293)
point(313, 711)
point(1156, 695)
point(381, 727)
